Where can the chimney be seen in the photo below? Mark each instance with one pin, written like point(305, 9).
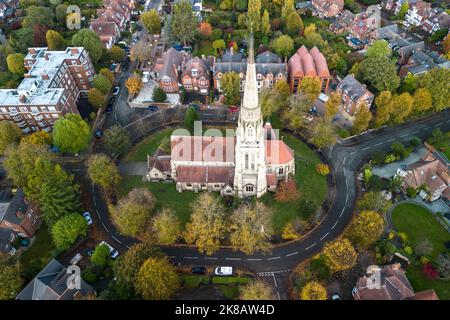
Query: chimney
point(74, 50)
point(396, 266)
point(27, 75)
point(32, 50)
point(46, 56)
point(231, 50)
point(23, 98)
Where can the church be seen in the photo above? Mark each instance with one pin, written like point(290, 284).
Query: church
point(249, 163)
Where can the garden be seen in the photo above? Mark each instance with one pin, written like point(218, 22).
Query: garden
point(228, 287)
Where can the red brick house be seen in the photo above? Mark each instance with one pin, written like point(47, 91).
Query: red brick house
point(328, 8)
point(168, 70)
point(354, 95)
point(196, 76)
point(107, 31)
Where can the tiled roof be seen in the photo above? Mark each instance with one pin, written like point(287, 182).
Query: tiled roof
point(205, 174)
point(432, 173)
point(278, 152)
point(352, 87)
point(203, 148)
point(308, 63)
point(426, 295)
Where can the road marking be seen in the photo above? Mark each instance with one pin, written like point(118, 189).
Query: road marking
point(275, 280)
point(366, 148)
point(190, 257)
point(250, 259)
point(334, 225)
point(237, 259)
point(346, 199)
point(105, 227)
point(210, 258)
point(274, 258)
point(346, 184)
point(324, 236)
point(278, 294)
point(98, 213)
point(128, 247)
point(342, 212)
point(117, 239)
point(311, 246)
point(390, 140)
point(378, 144)
point(292, 254)
point(345, 158)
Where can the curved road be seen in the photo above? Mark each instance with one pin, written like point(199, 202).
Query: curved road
point(345, 158)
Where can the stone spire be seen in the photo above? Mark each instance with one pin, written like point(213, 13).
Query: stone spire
point(250, 100)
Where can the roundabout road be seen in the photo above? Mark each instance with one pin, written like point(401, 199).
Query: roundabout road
point(345, 158)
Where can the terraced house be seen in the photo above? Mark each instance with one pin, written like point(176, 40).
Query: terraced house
point(51, 88)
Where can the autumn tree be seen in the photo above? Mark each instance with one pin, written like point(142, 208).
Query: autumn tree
point(254, 15)
point(115, 53)
point(96, 98)
point(422, 100)
point(287, 191)
point(323, 134)
point(322, 169)
point(108, 74)
point(40, 137)
point(366, 228)
point(151, 21)
point(297, 108)
point(287, 9)
point(205, 29)
point(332, 105)
point(157, 279)
point(313, 290)
point(383, 110)
point(102, 171)
point(184, 24)
point(265, 23)
point(10, 279)
point(166, 227)
point(117, 140)
point(67, 230)
point(283, 45)
point(275, 99)
point(379, 49)
point(436, 81)
point(218, 45)
point(257, 290)
point(230, 84)
point(362, 119)
point(251, 228)
point(134, 85)
point(401, 107)
point(101, 83)
point(141, 51)
point(311, 87)
point(55, 40)
point(9, 134)
point(207, 227)
point(15, 63)
point(340, 255)
point(289, 232)
point(294, 24)
point(373, 201)
point(90, 41)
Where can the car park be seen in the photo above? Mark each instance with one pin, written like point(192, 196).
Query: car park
point(87, 217)
point(223, 271)
point(198, 270)
point(112, 252)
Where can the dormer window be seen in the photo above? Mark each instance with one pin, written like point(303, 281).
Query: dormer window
point(194, 72)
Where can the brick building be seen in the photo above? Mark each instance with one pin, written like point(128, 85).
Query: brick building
point(354, 95)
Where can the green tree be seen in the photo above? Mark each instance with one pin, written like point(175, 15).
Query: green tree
point(373, 201)
point(116, 53)
point(206, 228)
point(362, 119)
point(402, 107)
point(190, 117)
point(366, 228)
point(218, 45)
point(90, 41)
point(10, 279)
point(40, 137)
point(265, 23)
point(61, 13)
point(403, 10)
point(38, 15)
point(117, 140)
point(151, 21)
point(294, 24)
point(332, 105)
point(103, 172)
point(251, 228)
point(101, 256)
point(311, 87)
point(230, 84)
point(254, 15)
point(323, 134)
point(436, 81)
point(422, 100)
point(384, 110)
point(67, 230)
point(96, 98)
point(71, 133)
point(340, 255)
point(9, 134)
point(379, 49)
point(184, 24)
point(157, 279)
point(15, 63)
point(283, 45)
point(55, 40)
point(108, 74)
point(313, 290)
point(409, 83)
point(287, 9)
point(379, 73)
point(257, 290)
point(159, 95)
point(101, 83)
point(166, 227)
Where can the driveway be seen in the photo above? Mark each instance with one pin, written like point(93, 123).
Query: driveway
point(388, 170)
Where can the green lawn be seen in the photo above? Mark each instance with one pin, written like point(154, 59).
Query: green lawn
point(418, 223)
point(193, 281)
point(147, 146)
point(420, 282)
point(444, 146)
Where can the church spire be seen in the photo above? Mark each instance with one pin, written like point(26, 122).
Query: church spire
point(250, 100)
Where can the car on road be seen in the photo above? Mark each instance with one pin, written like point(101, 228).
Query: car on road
point(98, 134)
point(223, 271)
point(112, 252)
point(152, 108)
point(116, 91)
point(87, 217)
point(198, 270)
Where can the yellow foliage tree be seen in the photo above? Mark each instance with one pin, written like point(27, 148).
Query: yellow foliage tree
point(313, 291)
point(134, 85)
point(366, 228)
point(289, 232)
point(322, 169)
point(340, 255)
point(40, 137)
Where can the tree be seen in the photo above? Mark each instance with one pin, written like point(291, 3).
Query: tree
point(15, 63)
point(55, 40)
point(383, 104)
point(205, 29)
point(311, 87)
point(373, 201)
point(332, 105)
point(67, 229)
point(379, 49)
point(166, 227)
point(436, 81)
point(40, 137)
point(116, 53)
point(403, 10)
point(184, 24)
point(362, 119)
point(313, 290)
point(117, 140)
point(71, 133)
point(10, 279)
point(443, 262)
point(151, 21)
point(96, 98)
point(251, 228)
point(108, 74)
point(366, 228)
point(265, 23)
point(313, 38)
point(157, 279)
point(294, 24)
point(207, 226)
point(38, 15)
point(283, 45)
point(289, 232)
point(287, 9)
point(423, 248)
point(141, 51)
point(102, 83)
point(379, 73)
point(102, 171)
point(53, 189)
point(159, 95)
point(422, 100)
point(322, 169)
point(446, 44)
point(132, 213)
point(190, 117)
point(230, 84)
point(298, 107)
point(340, 255)
point(60, 13)
point(409, 83)
point(90, 41)
point(254, 15)
point(101, 256)
point(401, 107)
point(257, 290)
point(218, 45)
point(323, 134)
point(287, 191)
point(134, 85)
point(9, 134)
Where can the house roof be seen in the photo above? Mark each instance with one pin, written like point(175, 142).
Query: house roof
point(308, 63)
point(51, 284)
point(353, 88)
point(428, 171)
point(278, 152)
point(268, 57)
point(170, 63)
point(202, 148)
point(104, 28)
point(426, 295)
point(196, 63)
point(160, 160)
point(10, 208)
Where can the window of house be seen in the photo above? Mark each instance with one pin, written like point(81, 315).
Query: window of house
point(249, 188)
point(280, 171)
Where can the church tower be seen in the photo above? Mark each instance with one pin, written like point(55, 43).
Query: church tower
point(250, 170)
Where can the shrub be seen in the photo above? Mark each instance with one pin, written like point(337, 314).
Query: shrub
point(399, 150)
point(89, 275)
point(216, 34)
point(287, 191)
point(415, 141)
point(411, 192)
point(322, 169)
point(378, 157)
point(390, 158)
point(429, 271)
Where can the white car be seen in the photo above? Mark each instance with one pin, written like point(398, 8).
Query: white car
point(116, 91)
point(223, 271)
point(113, 252)
point(87, 217)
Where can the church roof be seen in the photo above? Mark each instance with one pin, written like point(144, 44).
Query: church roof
point(202, 148)
point(205, 174)
point(278, 152)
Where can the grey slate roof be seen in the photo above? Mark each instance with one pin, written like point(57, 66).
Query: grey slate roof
point(352, 87)
point(171, 58)
point(427, 61)
point(10, 207)
point(5, 236)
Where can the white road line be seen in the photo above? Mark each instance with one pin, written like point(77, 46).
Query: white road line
point(334, 225)
point(278, 294)
point(390, 140)
point(274, 258)
point(98, 214)
point(345, 158)
point(366, 148)
point(172, 257)
point(311, 246)
point(324, 236)
point(128, 247)
point(379, 143)
point(105, 227)
point(190, 257)
point(117, 239)
point(346, 183)
point(210, 258)
point(275, 280)
point(292, 254)
point(342, 212)
point(250, 259)
point(237, 259)
point(346, 199)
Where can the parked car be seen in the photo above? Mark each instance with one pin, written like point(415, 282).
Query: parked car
point(89, 252)
point(113, 252)
point(198, 270)
point(87, 217)
point(116, 91)
point(223, 271)
point(152, 108)
point(76, 258)
point(98, 134)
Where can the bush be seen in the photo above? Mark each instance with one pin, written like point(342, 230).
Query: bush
point(322, 169)
point(399, 150)
point(159, 95)
point(230, 280)
point(216, 34)
point(415, 142)
point(89, 275)
point(378, 157)
point(429, 271)
point(411, 192)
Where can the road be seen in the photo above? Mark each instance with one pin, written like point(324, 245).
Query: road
point(345, 159)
